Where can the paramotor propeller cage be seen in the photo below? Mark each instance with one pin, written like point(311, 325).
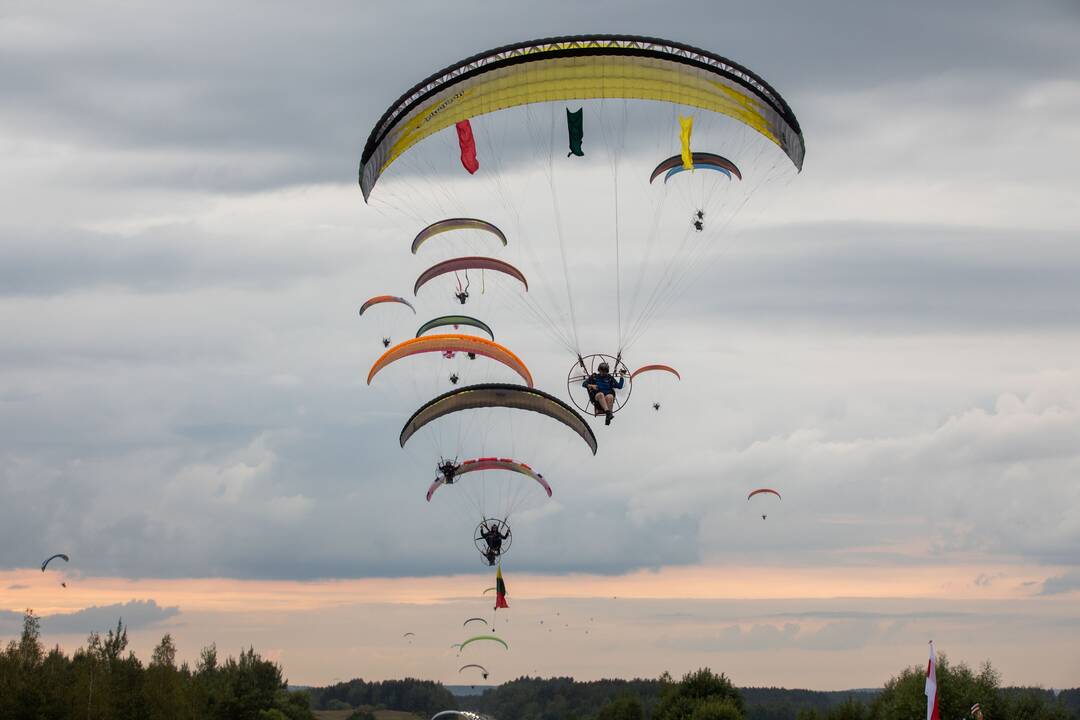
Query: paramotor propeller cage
point(586, 367)
point(481, 543)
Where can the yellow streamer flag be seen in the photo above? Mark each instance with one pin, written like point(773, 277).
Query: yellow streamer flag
point(687, 124)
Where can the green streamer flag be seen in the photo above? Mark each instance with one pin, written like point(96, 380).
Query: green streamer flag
point(575, 127)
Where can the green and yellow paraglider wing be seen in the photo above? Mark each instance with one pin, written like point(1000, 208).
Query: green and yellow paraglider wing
point(485, 638)
point(579, 67)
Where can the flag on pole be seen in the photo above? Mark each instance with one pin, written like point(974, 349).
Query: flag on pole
point(932, 711)
point(500, 590)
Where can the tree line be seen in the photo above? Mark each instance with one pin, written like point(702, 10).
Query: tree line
point(706, 696)
point(105, 681)
point(102, 682)
point(422, 697)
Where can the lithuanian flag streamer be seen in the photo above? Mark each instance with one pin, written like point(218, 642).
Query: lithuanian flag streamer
point(500, 590)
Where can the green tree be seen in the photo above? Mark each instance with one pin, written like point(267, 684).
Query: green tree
point(100, 681)
point(626, 707)
point(163, 683)
point(715, 708)
point(850, 709)
point(958, 689)
point(714, 694)
point(1032, 704)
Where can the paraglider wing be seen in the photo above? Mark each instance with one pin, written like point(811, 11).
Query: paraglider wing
point(484, 638)
point(474, 619)
point(759, 491)
point(453, 321)
point(652, 368)
point(469, 263)
point(677, 170)
point(481, 668)
point(579, 67)
point(435, 486)
point(701, 159)
point(482, 395)
point(487, 590)
point(492, 463)
point(48, 560)
point(378, 299)
point(452, 343)
point(408, 634)
point(449, 224)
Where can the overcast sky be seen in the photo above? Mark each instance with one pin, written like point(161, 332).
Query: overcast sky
point(182, 397)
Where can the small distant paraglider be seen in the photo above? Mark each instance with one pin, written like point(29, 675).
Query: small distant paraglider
point(385, 320)
point(653, 368)
point(763, 491)
point(481, 668)
point(48, 560)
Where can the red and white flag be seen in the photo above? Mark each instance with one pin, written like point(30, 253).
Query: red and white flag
point(932, 712)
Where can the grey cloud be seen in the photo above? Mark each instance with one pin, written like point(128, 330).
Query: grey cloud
point(167, 258)
point(871, 615)
point(136, 615)
point(758, 637)
point(183, 395)
point(1067, 583)
point(764, 637)
point(305, 86)
point(17, 586)
point(895, 278)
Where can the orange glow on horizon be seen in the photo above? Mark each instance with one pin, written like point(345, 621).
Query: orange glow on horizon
point(43, 592)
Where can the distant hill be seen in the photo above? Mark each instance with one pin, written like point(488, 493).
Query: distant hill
point(584, 699)
point(467, 690)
